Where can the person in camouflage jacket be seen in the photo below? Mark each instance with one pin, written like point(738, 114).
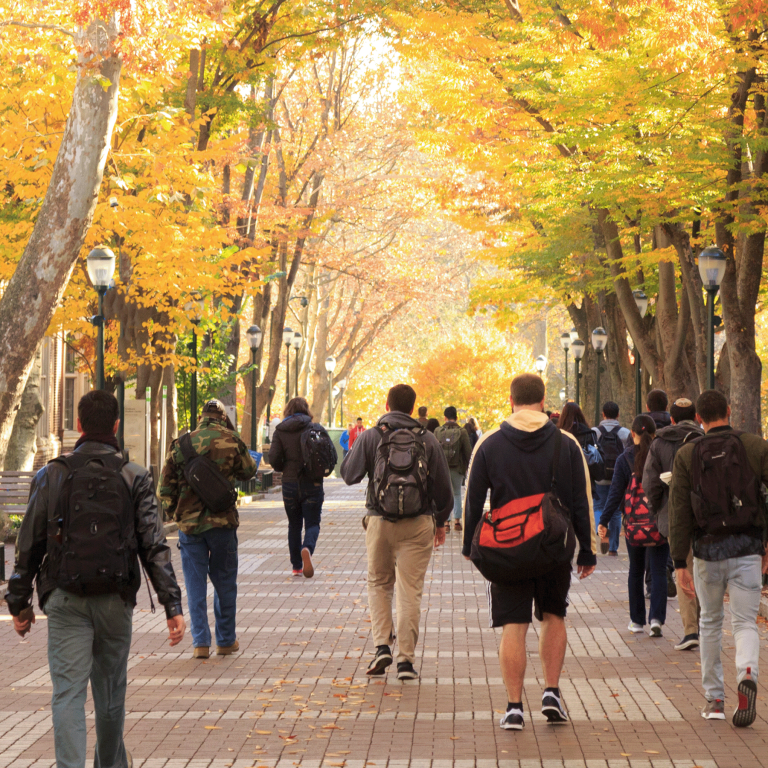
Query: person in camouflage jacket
point(208, 542)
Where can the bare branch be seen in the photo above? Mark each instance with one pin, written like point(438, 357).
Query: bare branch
point(28, 25)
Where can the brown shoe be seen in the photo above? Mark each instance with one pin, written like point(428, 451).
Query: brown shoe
point(129, 758)
point(306, 559)
point(201, 652)
point(228, 649)
point(457, 526)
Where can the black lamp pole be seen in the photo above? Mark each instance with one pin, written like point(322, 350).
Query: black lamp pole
point(193, 387)
point(711, 293)
point(254, 378)
point(287, 372)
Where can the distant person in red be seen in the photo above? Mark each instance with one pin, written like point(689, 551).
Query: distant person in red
point(355, 432)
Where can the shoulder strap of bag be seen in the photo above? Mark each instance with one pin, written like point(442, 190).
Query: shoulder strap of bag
point(187, 449)
point(556, 459)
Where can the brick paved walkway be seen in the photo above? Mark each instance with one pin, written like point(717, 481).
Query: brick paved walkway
point(297, 695)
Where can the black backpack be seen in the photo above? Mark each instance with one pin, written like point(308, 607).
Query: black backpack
point(318, 452)
point(92, 547)
point(206, 479)
point(725, 492)
point(610, 446)
point(400, 473)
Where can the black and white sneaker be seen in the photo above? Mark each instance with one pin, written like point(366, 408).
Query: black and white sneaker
point(513, 720)
point(688, 643)
point(552, 708)
point(381, 661)
point(405, 671)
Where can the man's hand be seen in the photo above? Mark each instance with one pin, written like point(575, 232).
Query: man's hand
point(585, 570)
point(439, 536)
point(176, 628)
point(685, 581)
point(24, 621)
point(765, 562)
point(602, 531)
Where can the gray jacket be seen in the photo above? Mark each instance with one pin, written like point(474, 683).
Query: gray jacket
point(610, 425)
point(361, 459)
point(661, 458)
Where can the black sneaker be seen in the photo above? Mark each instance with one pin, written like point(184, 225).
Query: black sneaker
point(405, 671)
point(552, 708)
point(689, 642)
point(671, 586)
point(381, 661)
point(513, 720)
point(747, 712)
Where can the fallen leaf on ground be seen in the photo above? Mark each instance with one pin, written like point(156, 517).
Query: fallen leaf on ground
point(265, 733)
point(212, 728)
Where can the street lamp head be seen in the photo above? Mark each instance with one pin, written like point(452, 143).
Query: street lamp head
point(578, 348)
point(712, 263)
point(562, 395)
point(296, 340)
point(574, 334)
point(599, 339)
point(641, 300)
point(330, 364)
point(195, 306)
point(336, 391)
point(343, 384)
point(101, 266)
point(287, 335)
point(254, 335)
point(540, 364)
point(565, 341)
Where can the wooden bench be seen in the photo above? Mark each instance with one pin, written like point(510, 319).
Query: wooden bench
point(14, 492)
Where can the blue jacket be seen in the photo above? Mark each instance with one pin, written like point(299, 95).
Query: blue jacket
point(344, 440)
point(622, 476)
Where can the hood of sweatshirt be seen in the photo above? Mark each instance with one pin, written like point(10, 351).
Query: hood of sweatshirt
point(528, 430)
point(294, 423)
point(678, 432)
point(398, 420)
point(662, 418)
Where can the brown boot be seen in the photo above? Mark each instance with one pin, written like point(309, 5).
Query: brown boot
point(228, 649)
point(201, 652)
point(457, 526)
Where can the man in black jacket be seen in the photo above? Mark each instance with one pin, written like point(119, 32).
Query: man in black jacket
point(514, 462)
point(89, 635)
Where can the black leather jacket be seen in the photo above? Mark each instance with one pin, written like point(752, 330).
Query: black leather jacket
point(31, 544)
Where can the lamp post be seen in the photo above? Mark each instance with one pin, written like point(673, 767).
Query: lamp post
point(330, 366)
point(578, 348)
point(540, 364)
point(101, 266)
point(574, 334)
point(565, 343)
point(296, 344)
point(642, 307)
point(712, 263)
point(599, 340)
point(563, 395)
point(267, 440)
point(342, 386)
point(194, 309)
point(254, 342)
point(287, 339)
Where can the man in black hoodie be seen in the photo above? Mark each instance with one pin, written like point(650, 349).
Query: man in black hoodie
point(514, 462)
point(399, 549)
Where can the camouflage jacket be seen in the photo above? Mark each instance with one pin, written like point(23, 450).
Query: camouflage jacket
point(223, 446)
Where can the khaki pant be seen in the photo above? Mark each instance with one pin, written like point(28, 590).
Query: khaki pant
point(398, 556)
point(689, 607)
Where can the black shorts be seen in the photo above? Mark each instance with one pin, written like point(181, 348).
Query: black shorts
point(548, 593)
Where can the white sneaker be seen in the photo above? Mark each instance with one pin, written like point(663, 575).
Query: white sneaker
point(655, 630)
point(635, 627)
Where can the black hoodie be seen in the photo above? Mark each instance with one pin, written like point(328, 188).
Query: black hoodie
point(513, 463)
point(285, 452)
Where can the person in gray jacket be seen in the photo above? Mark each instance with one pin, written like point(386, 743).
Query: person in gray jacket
point(657, 476)
point(399, 550)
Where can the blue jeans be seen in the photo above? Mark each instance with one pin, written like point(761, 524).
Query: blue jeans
point(214, 554)
point(304, 507)
point(456, 481)
point(88, 639)
point(657, 560)
point(614, 525)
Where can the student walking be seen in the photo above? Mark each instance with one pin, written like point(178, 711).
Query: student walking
point(526, 464)
point(356, 431)
point(716, 507)
point(88, 593)
point(408, 501)
point(303, 493)
point(471, 427)
point(657, 475)
point(206, 513)
point(344, 439)
point(423, 420)
point(642, 535)
point(458, 450)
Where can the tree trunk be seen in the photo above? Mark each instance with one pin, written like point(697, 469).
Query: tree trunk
point(22, 445)
point(41, 277)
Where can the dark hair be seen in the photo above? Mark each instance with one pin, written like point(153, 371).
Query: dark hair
point(450, 413)
point(297, 405)
point(657, 400)
point(611, 410)
point(570, 415)
point(98, 411)
point(402, 397)
point(433, 424)
point(712, 406)
point(527, 389)
point(645, 427)
point(682, 412)
point(359, 418)
point(472, 424)
point(423, 411)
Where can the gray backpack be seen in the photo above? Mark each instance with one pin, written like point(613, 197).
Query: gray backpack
point(400, 474)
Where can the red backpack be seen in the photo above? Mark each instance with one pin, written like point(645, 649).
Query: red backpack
point(639, 525)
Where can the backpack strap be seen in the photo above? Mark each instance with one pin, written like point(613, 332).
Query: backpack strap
point(187, 449)
point(556, 460)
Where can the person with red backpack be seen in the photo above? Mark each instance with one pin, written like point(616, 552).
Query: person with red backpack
point(640, 529)
point(716, 505)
